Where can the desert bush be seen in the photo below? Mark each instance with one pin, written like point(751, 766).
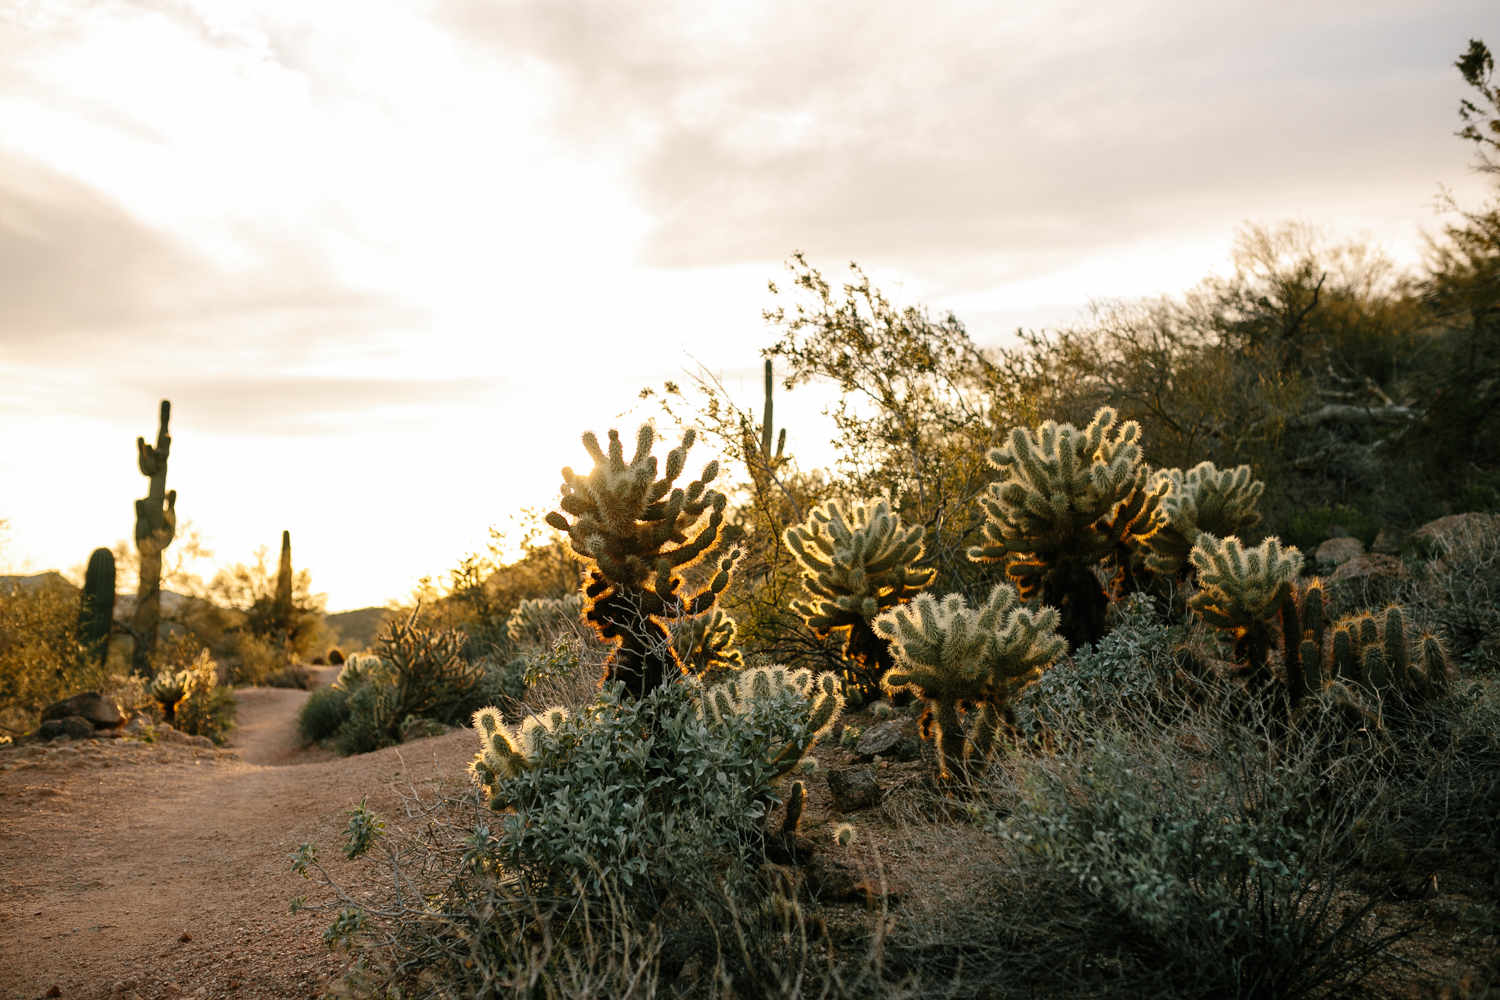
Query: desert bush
point(192, 698)
point(40, 659)
point(325, 710)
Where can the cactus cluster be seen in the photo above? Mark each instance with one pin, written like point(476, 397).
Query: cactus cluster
point(856, 564)
point(1203, 500)
point(535, 622)
point(818, 698)
point(706, 643)
point(505, 752)
point(1242, 592)
point(1384, 656)
point(636, 531)
point(951, 655)
point(1069, 500)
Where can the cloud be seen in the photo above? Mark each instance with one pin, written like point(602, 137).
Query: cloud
point(913, 131)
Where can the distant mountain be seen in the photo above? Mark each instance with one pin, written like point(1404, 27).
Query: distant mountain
point(50, 580)
point(356, 630)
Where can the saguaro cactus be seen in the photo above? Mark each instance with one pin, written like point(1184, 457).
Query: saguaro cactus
point(950, 655)
point(96, 605)
point(284, 584)
point(1201, 500)
point(857, 564)
point(1070, 499)
point(632, 529)
point(155, 527)
point(763, 462)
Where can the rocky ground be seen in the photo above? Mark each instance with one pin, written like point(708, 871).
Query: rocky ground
point(153, 870)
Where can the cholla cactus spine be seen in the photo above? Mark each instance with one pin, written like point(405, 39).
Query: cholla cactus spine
point(856, 564)
point(950, 655)
point(1203, 499)
point(633, 529)
point(1070, 499)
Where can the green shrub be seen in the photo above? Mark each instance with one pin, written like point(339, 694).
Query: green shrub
point(325, 710)
point(1307, 529)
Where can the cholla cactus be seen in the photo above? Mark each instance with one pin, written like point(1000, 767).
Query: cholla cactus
point(1242, 593)
point(706, 643)
point(171, 688)
point(359, 667)
point(633, 530)
point(856, 564)
point(1070, 499)
point(535, 622)
point(1203, 499)
point(818, 698)
point(505, 752)
point(950, 655)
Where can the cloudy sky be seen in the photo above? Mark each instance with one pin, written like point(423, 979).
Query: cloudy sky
point(388, 258)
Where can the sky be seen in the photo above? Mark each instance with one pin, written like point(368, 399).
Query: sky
point(389, 258)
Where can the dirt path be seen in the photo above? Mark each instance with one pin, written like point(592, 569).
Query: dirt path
point(114, 851)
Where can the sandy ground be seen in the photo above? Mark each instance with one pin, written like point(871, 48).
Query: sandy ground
point(163, 871)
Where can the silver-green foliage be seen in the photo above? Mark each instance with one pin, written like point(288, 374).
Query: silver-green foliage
point(794, 708)
point(1202, 500)
point(631, 791)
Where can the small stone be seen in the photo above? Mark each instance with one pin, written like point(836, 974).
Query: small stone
point(171, 990)
point(1337, 551)
point(186, 937)
point(853, 788)
point(829, 878)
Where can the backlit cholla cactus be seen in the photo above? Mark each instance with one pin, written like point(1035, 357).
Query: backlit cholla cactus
point(1201, 500)
point(951, 656)
point(818, 702)
point(634, 530)
point(706, 643)
point(1070, 499)
point(856, 564)
point(505, 752)
point(536, 622)
point(1242, 592)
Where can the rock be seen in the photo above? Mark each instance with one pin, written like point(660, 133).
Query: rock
point(167, 734)
point(99, 711)
point(853, 788)
point(73, 727)
point(1462, 531)
point(419, 729)
point(1387, 542)
point(1372, 564)
point(137, 722)
point(895, 738)
point(1340, 550)
point(829, 878)
point(55, 991)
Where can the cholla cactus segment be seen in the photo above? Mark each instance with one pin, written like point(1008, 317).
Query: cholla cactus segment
point(637, 531)
point(1070, 499)
point(1203, 499)
point(948, 655)
point(857, 562)
point(706, 643)
point(536, 621)
point(1242, 588)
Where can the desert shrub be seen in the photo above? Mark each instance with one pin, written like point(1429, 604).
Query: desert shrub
point(630, 790)
point(1459, 591)
point(40, 659)
point(420, 673)
point(1131, 673)
point(325, 710)
point(195, 701)
point(1306, 529)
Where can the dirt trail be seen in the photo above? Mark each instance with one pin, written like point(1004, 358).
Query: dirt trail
point(112, 851)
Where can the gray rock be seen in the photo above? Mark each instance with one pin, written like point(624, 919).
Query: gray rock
point(1371, 564)
point(1338, 551)
point(73, 727)
point(101, 712)
point(893, 738)
point(853, 788)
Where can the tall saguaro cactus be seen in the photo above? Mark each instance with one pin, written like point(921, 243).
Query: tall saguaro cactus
point(632, 528)
point(155, 527)
point(96, 605)
point(284, 584)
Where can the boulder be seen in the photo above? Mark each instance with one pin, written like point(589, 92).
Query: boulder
point(72, 727)
point(1456, 530)
point(1338, 551)
point(137, 722)
point(1387, 542)
point(830, 879)
point(853, 788)
point(101, 712)
point(1369, 565)
point(894, 738)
